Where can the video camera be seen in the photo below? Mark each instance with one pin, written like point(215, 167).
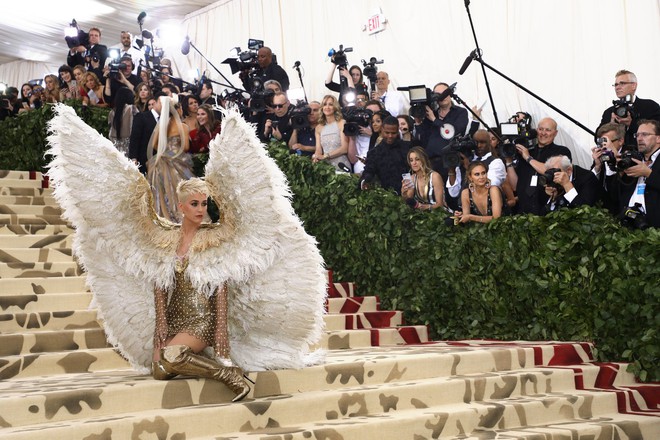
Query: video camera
point(245, 60)
point(115, 63)
point(634, 218)
point(420, 96)
point(517, 131)
point(623, 106)
point(74, 36)
point(338, 57)
point(459, 145)
point(355, 118)
point(626, 161)
point(370, 70)
point(299, 116)
point(547, 179)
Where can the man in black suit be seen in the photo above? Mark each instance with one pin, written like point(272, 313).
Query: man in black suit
point(571, 186)
point(644, 189)
point(92, 57)
point(268, 69)
point(143, 126)
point(625, 85)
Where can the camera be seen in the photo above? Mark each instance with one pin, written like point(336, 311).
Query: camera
point(420, 96)
point(608, 157)
point(513, 133)
point(5, 102)
point(355, 118)
point(261, 98)
point(338, 57)
point(626, 160)
point(74, 36)
point(623, 106)
point(547, 178)
point(634, 218)
point(245, 60)
point(299, 115)
point(370, 70)
point(459, 145)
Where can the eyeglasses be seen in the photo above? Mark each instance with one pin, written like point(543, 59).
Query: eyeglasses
point(279, 105)
point(642, 134)
point(622, 83)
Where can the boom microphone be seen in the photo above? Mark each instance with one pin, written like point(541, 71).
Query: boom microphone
point(467, 62)
point(141, 17)
point(185, 47)
point(446, 93)
point(296, 65)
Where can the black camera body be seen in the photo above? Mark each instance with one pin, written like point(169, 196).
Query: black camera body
point(516, 133)
point(115, 68)
point(338, 57)
point(634, 218)
point(355, 117)
point(260, 99)
point(80, 39)
point(370, 70)
point(299, 116)
point(624, 106)
point(547, 178)
point(459, 145)
point(608, 156)
point(626, 160)
point(421, 96)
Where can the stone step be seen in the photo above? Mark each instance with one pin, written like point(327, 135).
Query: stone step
point(28, 200)
point(20, 286)
point(51, 302)
point(40, 321)
point(51, 341)
point(31, 210)
point(364, 320)
point(353, 304)
point(62, 241)
point(39, 270)
point(7, 190)
point(35, 229)
point(36, 255)
point(21, 219)
point(20, 183)
point(13, 174)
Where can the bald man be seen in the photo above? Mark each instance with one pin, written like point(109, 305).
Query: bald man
point(524, 175)
point(392, 99)
point(267, 70)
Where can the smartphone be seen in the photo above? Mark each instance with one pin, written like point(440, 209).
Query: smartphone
point(407, 177)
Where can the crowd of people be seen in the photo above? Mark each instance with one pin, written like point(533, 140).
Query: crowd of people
point(379, 148)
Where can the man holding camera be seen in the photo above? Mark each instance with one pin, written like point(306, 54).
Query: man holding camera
point(628, 109)
point(640, 196)
point(387, 161)
point(126, 48)
point(524, 175)
point(122, 77)
point(610, 138)
point(92, 57)
point(267, 70)
point(277, 125)
point(303, 140)
point(566, 185)
point(391, 99)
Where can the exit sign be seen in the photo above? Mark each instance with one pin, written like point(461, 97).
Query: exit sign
point(376, 23)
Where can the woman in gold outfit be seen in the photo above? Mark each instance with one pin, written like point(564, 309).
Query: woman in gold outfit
point(190, 321)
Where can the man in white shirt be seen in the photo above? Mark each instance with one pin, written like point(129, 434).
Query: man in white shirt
point(126, 48)
point(392, 99)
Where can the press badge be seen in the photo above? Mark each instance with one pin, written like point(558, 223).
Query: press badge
point(534, 180)
point(641, 187)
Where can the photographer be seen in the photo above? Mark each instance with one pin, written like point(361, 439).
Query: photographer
point(303, 140)
point(638, 188)
point(277, 125)
point(267, 70)
point(119, 74)
point(392, 99)
point(566, 185)
point(524, 174)
point(628, 109)
point(610, 139)
point(9, 103)
point(92, 56)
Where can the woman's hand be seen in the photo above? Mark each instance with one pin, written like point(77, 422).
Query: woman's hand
point(407, 188)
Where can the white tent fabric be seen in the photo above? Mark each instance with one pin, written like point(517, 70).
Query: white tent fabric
point(566, 51)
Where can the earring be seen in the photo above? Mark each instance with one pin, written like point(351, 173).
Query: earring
point(487, 183)
point(471, 186)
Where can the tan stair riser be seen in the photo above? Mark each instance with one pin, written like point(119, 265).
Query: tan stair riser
point(39, 321)
point(24, 191)
point(29, 405)
point(14, 174)
point(28, 200)
point(20, 183)
point(367, 304)
point(17, 286)
point(42, 364)
point(28, 210)
point(39, 270)
point(35, 229)
point(36, 241)
point(229, 420)
point(53, 341)
point(21, 219)
point(354, 320)
point(45, 255)
point(53, 302)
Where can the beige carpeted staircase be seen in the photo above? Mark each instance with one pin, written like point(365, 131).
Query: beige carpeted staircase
point(382, 380)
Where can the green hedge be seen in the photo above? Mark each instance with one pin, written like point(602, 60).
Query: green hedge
point(23, 138)
point(572, 275)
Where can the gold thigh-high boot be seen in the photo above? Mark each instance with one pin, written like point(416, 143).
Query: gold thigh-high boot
point(180, 359)
point(158, 371)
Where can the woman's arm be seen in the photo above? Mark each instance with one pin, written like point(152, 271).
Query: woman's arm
point(293, 140)
point(352, 149)
point(185, 142)
point(496, 202)
point(318, 154)
point(464, 216)
point(439, 188)
point(161, 329)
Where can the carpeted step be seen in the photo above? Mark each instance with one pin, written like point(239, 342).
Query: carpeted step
point(28, 210)
point(14, 174)
point(353, 304)
point(40, 364)
point(364, 320)
point(39, 321)
point(35, 229)
point(20, 183)
point(51, 341)
point(48, 302)
point(345, 339)
point(40, 270)
point(23, 219)
point(36, 241)
point(341, 290)
point(6, 190)
point(42, 255)
point(18, 286)
point(27, 200)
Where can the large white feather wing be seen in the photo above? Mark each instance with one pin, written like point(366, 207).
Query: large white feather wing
point(107, 200)
point(278, 300)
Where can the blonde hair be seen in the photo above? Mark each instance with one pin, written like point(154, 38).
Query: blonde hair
point(195, 185)
point(337, 114)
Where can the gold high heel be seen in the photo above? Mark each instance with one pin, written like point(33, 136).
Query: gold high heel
point(180, 359)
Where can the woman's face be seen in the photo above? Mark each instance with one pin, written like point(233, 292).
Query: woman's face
point(165, 77)
point(328, 107)
point(478, 176)
point(415, 162)
point(355, 74)
point(66, 76)
point(193, 106)
point(79, 75)
point(143, 76)
point(493, 141)
point(25, 91)
point(194, 208)
point(89, 83)
point(150, 104)
point(376, 123)
point(143, 93)
point(403, 126)
point(202, 116)
point(50, 84)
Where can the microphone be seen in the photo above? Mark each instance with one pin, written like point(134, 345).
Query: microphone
point(446, 93)
point(141, 18)
point(342, 166)
point(185, 47)
point(296, 65)
point(467, 62)
point(148, 35)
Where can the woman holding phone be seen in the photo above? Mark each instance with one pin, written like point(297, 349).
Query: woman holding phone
point(422, 188)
